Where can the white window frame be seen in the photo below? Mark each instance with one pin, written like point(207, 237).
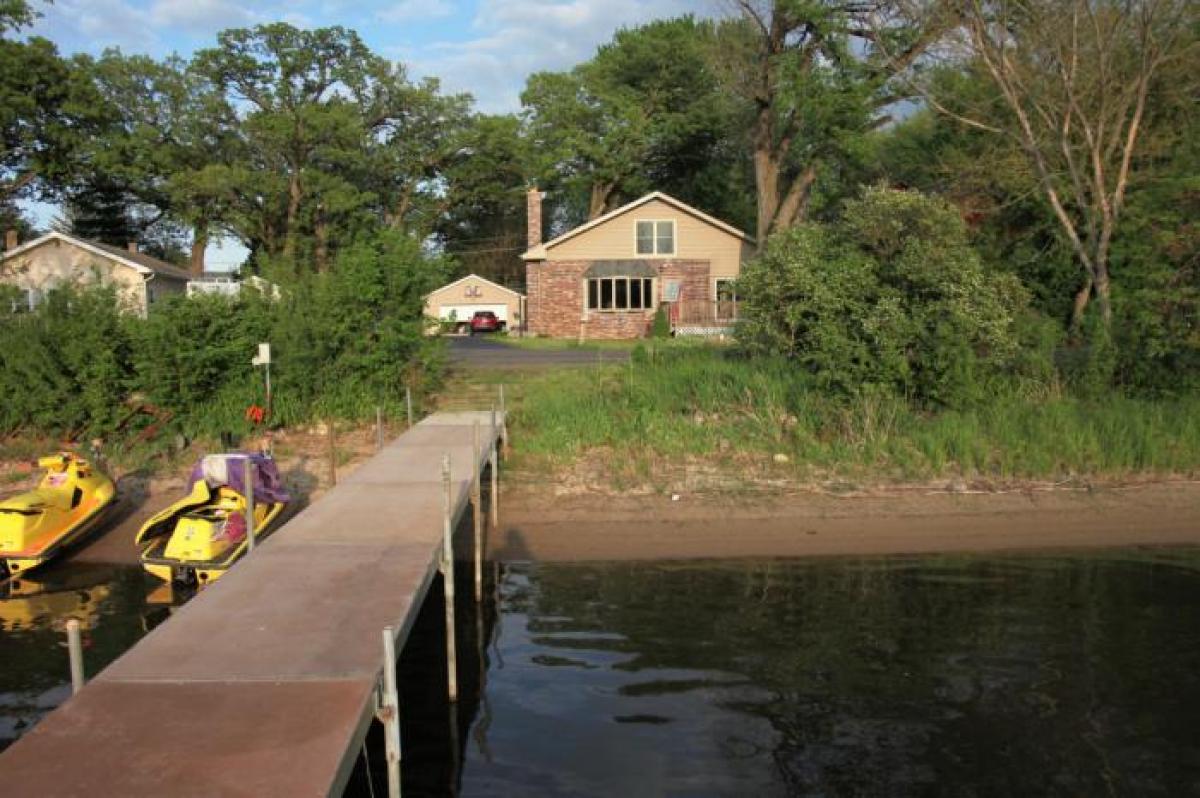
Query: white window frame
point(716, 297)
point(656, 253)
point(588, 309)
point(716, 292)
point(29, 300)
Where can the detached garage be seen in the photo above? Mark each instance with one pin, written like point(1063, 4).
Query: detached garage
point(461, 299)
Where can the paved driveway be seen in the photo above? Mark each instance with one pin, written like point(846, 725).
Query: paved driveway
point(489, 352)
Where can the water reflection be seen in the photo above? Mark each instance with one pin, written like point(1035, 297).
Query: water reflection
point(111, 603)
point(946, 675)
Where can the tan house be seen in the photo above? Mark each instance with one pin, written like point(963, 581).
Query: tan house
point(57, 259)
point(607, 278)
point(461, 299)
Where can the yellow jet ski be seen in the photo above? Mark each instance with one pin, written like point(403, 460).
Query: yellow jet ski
point(201, 536)
point(68, 503)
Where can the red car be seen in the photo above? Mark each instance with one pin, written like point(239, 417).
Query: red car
point(485, 321)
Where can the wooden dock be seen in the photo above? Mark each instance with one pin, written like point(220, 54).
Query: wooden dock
point(265, 684)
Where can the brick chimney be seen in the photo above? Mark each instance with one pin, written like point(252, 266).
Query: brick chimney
point(132, 247)
point(11, 239)
point(533, 212)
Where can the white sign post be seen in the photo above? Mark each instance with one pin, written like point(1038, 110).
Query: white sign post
point(263, 358)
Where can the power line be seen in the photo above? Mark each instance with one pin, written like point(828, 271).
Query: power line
point(482, 251)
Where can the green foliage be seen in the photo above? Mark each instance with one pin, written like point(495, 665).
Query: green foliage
point(484, 222)
point(47, 112)
point(343, 342)
point(700, 402)
point(332, 140)
point(660, 327)
point(352, 338)
point(645, 113)
point(64, 367)
point(890, 297)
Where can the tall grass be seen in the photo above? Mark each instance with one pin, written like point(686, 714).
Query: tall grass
point(704, 404)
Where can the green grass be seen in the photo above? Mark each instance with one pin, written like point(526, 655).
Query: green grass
point(679, 406)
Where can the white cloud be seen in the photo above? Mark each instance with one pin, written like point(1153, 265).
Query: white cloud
point(415, 10)
point(519, 37)
point(199, 17)
point(92, 25)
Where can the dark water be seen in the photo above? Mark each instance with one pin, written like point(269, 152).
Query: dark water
point(116, 605)
point(964, 676)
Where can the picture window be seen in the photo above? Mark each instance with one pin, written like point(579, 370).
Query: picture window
point(620, 293)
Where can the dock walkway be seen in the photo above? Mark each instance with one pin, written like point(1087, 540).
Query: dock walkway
point(266, 682)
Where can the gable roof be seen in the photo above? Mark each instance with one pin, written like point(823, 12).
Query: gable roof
point(141, 262)
point(539, 252)
point(480, 279)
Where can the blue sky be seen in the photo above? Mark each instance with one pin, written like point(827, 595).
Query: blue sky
point(486, 47)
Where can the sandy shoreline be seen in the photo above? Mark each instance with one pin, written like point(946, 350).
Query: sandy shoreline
point(536, 525)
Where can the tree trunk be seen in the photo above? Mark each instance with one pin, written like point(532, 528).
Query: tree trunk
point(199, 245)
point(1102, 293)
point(795, 204)
point(766, 175)
point(1082, 297)
point(295, 194)
point(601, 195)
point(321, 233)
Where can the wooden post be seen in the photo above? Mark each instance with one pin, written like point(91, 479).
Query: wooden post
point(378, 428)
point(495, 502)
point(476, 501)
point(447, 567)
point(332, 455)
point(75, 651)
point(408, 404)
point(503, 421)
point(390, 712)
point(248, 486)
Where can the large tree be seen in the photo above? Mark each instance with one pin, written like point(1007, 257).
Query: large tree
point(644, 113)
point(46, 112)
point(296, 87)
point(166, 124)
point(812, 76)
point(1074, 77)
point(483, 225)
point(334, 137)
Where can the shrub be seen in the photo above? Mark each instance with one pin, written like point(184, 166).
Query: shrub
point(889, 296)
point(64, 367)
point(660, 327)
point(343, 342)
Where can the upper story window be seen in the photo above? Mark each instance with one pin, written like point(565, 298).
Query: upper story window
point(656, 238)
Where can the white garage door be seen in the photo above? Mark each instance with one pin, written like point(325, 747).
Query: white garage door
point(465, 312)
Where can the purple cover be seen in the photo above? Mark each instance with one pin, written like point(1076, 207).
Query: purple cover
point(228, 469)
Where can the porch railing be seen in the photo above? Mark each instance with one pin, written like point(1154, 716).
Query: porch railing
point(703, 312)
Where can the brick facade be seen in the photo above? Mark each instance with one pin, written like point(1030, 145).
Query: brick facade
point(557, 294)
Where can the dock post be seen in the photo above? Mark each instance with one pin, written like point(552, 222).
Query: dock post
point(447, 568)
point(75, 650)
point(378, 428)
point(248, 486)
point(495, 467)
point(408, 404)
point(476, 502)
point(332, 455)
point(390, 712)
point(503, 420)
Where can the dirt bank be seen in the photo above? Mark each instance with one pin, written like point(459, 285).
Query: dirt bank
point(535, 524)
